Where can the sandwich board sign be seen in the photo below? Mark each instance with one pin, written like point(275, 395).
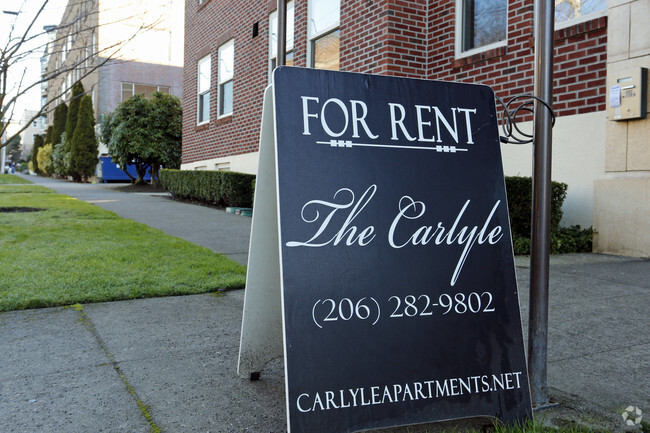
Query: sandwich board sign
point(381, 263)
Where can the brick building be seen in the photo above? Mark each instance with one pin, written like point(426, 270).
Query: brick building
point(230, 50)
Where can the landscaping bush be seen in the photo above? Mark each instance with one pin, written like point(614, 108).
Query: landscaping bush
point(219, 188)
point(44, 159)
point(226, 188)
point(563, 239)
point(572, 239)
point(520, 198)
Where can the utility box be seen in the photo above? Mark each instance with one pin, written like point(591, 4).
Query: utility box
point(628, 94)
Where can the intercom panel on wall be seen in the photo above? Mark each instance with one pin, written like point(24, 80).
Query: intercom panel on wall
point(627, 95)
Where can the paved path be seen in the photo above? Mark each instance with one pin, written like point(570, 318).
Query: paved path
point(171, 362)
point(212, 228)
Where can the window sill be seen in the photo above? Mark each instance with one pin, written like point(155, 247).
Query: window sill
point(480, 57)
point(581, 27)
point(226, 118)
point(202, 126)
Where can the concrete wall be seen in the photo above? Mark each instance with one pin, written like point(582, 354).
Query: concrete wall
point(622, 194)
point(578, 160)
point(245, 163)
point(27, 136)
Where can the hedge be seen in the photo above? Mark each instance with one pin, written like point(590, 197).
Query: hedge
point(226, 188)
point(218, 188)
point(520, 198)
point(562, 239)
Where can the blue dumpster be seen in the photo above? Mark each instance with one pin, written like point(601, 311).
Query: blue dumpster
point(110, 172)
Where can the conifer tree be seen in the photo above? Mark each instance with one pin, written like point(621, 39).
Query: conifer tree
point(38, 143)
point(58, 127)
point(48, 134)
point(83, 146)
point(71, 123)
point(58, 130)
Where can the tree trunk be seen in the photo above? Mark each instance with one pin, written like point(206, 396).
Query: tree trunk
point(155, 177)
point(141, 169)
point(128, 174)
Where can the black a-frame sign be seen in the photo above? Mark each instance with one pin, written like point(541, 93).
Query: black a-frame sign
point(381, 261)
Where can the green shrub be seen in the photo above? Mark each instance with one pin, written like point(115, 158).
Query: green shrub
point(572, 239)
point(44, 159)
point(219, 188)
point(520, 197)
point(563, 239)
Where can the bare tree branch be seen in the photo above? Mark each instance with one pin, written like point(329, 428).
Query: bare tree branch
point(16, 50)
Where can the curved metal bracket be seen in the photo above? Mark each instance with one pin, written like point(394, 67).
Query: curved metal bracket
point(512, 133)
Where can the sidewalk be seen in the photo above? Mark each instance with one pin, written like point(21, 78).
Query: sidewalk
point(170, 363)
point(219, 231)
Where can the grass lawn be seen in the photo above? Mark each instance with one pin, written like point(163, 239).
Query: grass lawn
point(72, 252)
point(11, 178)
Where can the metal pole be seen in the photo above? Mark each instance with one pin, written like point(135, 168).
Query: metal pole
point(541, 212)
point(282, 33)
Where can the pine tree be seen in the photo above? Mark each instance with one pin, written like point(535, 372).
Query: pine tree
point(38, 143)
point(48, 134)
point(58, 128)
point(83, 146)
point(71, 121)
point(14, 149)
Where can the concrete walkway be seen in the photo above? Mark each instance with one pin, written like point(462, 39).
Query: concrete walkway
point(170, 363)
point(217, 230)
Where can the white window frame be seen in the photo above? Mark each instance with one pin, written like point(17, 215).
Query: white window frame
point(583, 18)
point(132, 85)
point(314, 34)
point(273, 34)
point(459, 53)
point(224, 76)
point(201, 92)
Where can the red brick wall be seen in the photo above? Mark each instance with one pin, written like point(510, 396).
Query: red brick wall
point(386, 37)
point(206, 28)
point(410, 38)
point(580, 63)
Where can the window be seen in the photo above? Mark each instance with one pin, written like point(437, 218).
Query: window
point(324, 35)
point(203, 89)
point(226, 73)
point(273, 37)
point(69, 43)
point(130, 89)
point(481, 24)
point(568, 12)
point(64, 50)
